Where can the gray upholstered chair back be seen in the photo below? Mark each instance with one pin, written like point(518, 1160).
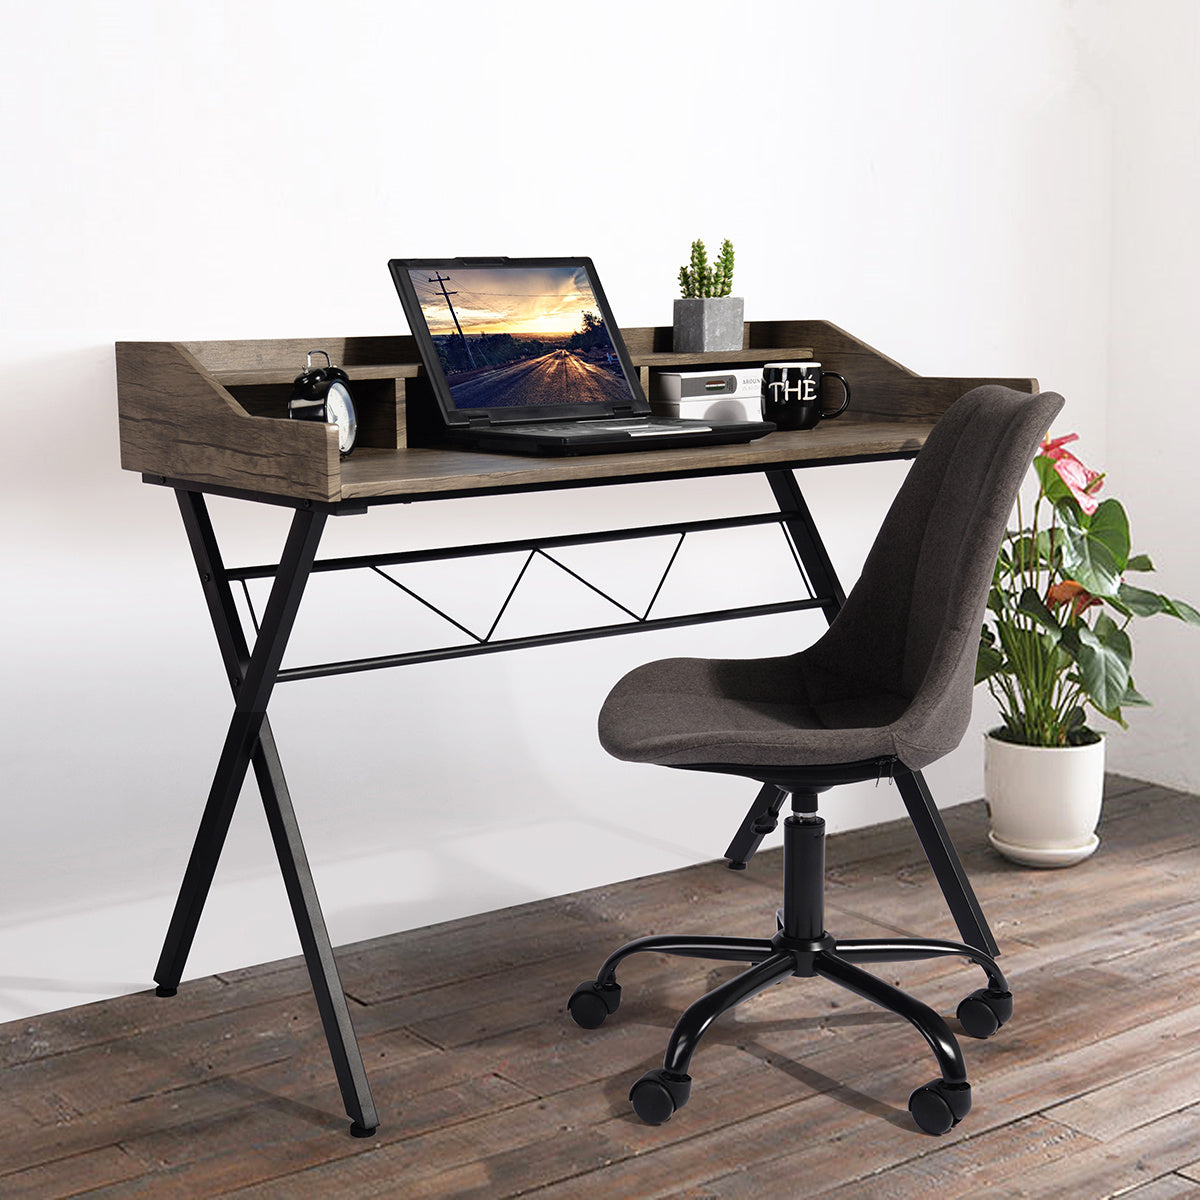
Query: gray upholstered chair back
point(910, 626)
point(892, 676)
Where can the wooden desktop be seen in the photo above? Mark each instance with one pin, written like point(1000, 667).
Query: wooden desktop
point(200, 412)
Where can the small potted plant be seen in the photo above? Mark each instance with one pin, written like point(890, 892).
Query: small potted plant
point(707, 317)
point(1055, 644)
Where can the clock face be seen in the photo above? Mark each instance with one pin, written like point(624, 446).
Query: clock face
point(339, 411)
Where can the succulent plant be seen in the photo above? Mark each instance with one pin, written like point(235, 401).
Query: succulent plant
point(699, 278)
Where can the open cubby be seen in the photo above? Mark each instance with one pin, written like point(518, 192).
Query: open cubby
point(378, 404)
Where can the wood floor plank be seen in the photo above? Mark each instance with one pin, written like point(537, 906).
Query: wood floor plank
point(989, 1161)
point(83, 1102)
point(1107, 1112)
point(263, 1142)
point(1165, 1187)
point(128, 1069)
point(445, 1162)
point(72, 1175)
point(486, 1088)
point(1138, 1157)
point(91, 1024)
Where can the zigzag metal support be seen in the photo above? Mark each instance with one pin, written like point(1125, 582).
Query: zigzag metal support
point(433, 607)
point(612, 600)
point(512, 591)
point(485, 639)
point(532, 549)
point(666, 572)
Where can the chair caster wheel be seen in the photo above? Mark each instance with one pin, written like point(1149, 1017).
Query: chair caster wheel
point(938, 1106)
point(984, 1011)
point(659, 1094)
point(362, 1131)
point(165, 991)
point(591, 1002)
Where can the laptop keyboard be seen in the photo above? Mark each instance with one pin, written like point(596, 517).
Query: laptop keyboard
point(584, 429)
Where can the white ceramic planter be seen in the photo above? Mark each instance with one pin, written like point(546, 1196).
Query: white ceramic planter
point(1044, 803)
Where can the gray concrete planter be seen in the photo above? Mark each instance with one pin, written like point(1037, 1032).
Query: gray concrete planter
point(708, 323)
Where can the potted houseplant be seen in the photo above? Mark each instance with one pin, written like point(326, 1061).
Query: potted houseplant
point(1054, 645)
point(707, 317)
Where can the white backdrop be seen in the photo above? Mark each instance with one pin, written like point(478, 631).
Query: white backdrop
point(972, 189)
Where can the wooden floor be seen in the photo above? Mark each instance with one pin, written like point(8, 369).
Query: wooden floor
point(486, 1088)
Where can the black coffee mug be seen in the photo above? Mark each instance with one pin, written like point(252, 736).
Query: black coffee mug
point(791, 394)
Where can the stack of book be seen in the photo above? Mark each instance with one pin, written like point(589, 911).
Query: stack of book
point(735, 394)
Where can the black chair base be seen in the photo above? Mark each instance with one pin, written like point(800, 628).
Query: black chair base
point(802, 947)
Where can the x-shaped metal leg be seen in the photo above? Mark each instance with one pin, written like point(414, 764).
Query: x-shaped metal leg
point(249, 739)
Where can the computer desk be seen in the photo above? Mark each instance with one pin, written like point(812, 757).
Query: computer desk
point(202, 418)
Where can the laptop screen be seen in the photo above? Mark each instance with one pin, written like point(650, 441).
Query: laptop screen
point(518, 338)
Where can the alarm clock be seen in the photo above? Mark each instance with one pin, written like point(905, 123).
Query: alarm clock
point(323, 394)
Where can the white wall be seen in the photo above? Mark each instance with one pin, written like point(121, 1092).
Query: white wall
point(1149, 59)
point(939, 178)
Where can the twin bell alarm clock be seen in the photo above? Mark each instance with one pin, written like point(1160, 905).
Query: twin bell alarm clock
point(323, 394)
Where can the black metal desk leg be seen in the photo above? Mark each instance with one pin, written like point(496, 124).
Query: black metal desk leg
point(285, 832)
point(802, 529)
point(253, 692)
point(947, 868)
point(314, 939)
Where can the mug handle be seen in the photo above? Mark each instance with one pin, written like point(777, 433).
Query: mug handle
point(837, 412)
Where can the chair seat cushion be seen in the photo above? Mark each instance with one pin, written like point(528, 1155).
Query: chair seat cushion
point(682, 711)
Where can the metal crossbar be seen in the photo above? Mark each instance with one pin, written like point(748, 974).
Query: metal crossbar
point(482, 643)
point(548, 543)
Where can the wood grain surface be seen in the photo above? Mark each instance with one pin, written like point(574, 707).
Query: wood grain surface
point(210, 413)
point(177, 421)
point(487, 1089)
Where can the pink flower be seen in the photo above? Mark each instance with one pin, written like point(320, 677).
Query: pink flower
point(1052, 447)
point(1082, 481)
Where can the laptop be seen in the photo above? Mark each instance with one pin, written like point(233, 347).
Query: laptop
point(523, 357)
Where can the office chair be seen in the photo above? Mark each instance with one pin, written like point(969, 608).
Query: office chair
point(885, 691)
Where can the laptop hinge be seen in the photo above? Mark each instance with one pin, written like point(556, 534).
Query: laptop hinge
point(477, 419)
point(623, 410)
